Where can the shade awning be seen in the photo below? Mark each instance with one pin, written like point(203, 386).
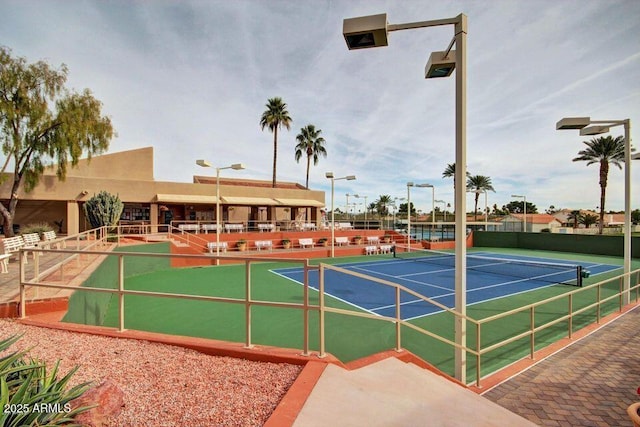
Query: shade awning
point(249, 201)
point(300, 202)
point(185, 198)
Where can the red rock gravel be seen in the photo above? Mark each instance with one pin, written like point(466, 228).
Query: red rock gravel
point(163, 385)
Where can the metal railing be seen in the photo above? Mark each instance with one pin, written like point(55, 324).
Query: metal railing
point(478, 350)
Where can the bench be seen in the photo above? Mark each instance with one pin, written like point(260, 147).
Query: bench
point(10, 246)
point(213, 245)
point(370, 250)
point(345, 226)
point(305, 243)
point(264, 244)
point(308, 226)
point(233, 227)
point(50, 238)
point(189, 227)
point(342, 241)
point(373, 240)
point(209, 227)
point(385, 249)
point(266, 227)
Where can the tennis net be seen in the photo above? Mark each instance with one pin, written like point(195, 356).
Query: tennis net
point(567, 274)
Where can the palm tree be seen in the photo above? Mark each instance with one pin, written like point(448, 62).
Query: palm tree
point(478, 184)
point(274, 117)
point(450, 172)
point(575, 217)
point(588, 220)
point(603, 150)
point(311, 144)
point(382, 203)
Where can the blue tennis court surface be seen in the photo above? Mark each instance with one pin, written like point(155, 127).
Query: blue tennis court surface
point(489, 276)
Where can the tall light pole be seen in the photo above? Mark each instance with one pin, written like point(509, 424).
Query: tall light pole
point(372, 31)
point(603, 126)
point(333, 213)
point(524, 221)
point(206, 164)
point(486, 212)
point(409, 185)
point(366, 207)
point(444, 209)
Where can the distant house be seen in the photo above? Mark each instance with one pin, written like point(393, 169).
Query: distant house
point(563, 216)
point(534, 222)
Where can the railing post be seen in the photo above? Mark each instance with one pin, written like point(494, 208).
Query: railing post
point(398, 318)
point(121, 292)
point(570, 315)
point(532, 323)
point(305, 311)
point(478, 355)
point(247, 307)
point(23, 291)
point(598, 307)
point(321, 308)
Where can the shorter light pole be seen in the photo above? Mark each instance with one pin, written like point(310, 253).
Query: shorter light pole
point(330, 176)
point(517, 196)
point(444, 207)
point(366, 207)
point(235, 166)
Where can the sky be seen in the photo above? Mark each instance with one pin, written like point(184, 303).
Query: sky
point(192, 78)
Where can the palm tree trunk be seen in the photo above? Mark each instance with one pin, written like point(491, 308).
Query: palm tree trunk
point(475, 209)
point(275, 154)
point(308, 166)
point(604, 172)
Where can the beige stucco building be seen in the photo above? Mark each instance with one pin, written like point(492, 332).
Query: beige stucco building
point(129, 174)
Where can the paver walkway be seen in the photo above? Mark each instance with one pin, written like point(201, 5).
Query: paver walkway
point(589, 383)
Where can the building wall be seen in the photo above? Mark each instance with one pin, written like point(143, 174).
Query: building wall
point(129, 175)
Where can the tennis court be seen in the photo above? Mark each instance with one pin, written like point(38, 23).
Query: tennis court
point(489, 276)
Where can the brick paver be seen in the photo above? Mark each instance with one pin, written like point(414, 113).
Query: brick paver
point(589, 383)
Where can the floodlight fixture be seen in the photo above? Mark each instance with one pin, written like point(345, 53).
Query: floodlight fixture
point(635, 156)
point(329, 175)
point(440, 64)
point(203, 163)
point(573, 123)
point(365, 31)
point(593, 130)
point(350, 177)
point(237, 166)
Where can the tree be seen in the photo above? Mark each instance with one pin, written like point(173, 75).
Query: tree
point(382, 203)
point(588, 220)
point(635, 216)
point(574, 216)
point(402, 209)
point(43, 124)
point(311, 144)
point(603, 150)
point(275, 117)
point(450, 172)
point(516, 206)
point(478, 184)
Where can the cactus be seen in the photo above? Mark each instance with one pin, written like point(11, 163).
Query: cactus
point(103, 209)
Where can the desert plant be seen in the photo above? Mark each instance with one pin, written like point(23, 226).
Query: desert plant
point(103, 209)
point(31, 396)
point(36, 227)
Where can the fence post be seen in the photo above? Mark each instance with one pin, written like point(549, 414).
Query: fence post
point(247, 305)
point(570, 315)
point(478, 355)
point(305, 310)
point(121, 292)
point(23, 291)
point(398, 325)
point(321, 307)
point(532, 323)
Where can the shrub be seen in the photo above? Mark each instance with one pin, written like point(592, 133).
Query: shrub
point(36, 227)
point(31, 396)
